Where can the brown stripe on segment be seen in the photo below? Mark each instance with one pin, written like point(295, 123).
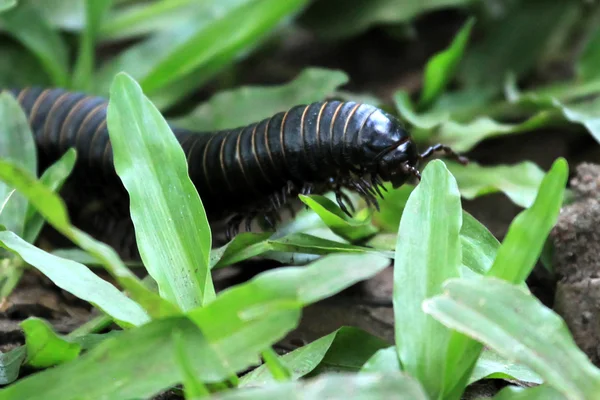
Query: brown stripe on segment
point(105, 165)
point(204, 158)
point(45, 134)
point(22, 94)
point(319, 123)
point(74, 109)
point(352, 112)
point(302, 129)
point(36, 105)
point(239, 160)
point(268, 146)
point(333, 119)
point(221, 155)
point(85, 121)
point(281, 138)
point(94, 137)
point(255, 154)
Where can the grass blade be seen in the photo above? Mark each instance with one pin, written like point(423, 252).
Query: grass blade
point(174, 240)
point(384, 361)
point(441, 67)
point(245, 105)
point(427, 253)
point(78, 280)
point(491, 366)
point(44, 347)
point(25, 23)
point(518, 327)
point(527, 233)
point(17, 145)
point(10, 364)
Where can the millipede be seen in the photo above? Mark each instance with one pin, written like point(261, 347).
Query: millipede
point(251, 171)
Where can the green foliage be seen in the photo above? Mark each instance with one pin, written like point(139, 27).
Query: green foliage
point(44, 347)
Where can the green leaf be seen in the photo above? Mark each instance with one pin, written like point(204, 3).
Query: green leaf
point(10, 364)
point(6, 5)
point(356, 228)
point(491, 366)
point(527, 233)
point(18, 146)
point(276, 366)
point(30, 71)
point(245, 105)
point(428, 252)
point(68, 15)
point(383, 361)
point(589, 58)
point(336, 387)
point(53, 178)
point(54, 211)
point(172, 55)
point(519, 182)
point(441, 67)
point(247, 245)
point(44, 347)
point(479, 247)
point(78, 280)
point(141, 362)
point(193, 387)
point(347, 346)
point(518, 327)
point(84, 66)
point(336, 19)
point(542, 392)
point(29, 27)
point(174, 240)
point(391, 207)
point(586, 114)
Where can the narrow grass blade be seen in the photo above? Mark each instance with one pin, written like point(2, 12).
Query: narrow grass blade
point(518, 327)
point(336, 387)
point(54, 211)
point(193, 388)
point(527, 233)
point(519, 182)
point(491, 366)
point(26, 24)
point(53, 178)
point(95, 11)
point(441, 67)
point(245, 105)
point(17, 145)
point(351, 229)
point(276, 366)
point(428, 252)
point(78, 280)
point(347, 346)
point(44, 347)
point(174, 238)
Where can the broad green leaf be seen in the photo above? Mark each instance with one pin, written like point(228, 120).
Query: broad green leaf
point(53, 178)
point(276, 366)
point(527, 233)
point(425, 121)
point(17, 145)
point(491, 366)
point(336, 19)
point(586, 114)
point(44, 347)
point(479, 246)
point(383, 361)
point(193, 387)
point(141, 362)
point(519, 182)
point(503, 49)
point(249, 245)
point(428, 252)
point(441, 67)
point(589, 58)
point(518, 327)
point(64, 14)
point(336, 387)
point(245, 105)
point(347, 346)
point(355, 228)
point(6, 5)
point(10, 364)
point(542, 392)
point(78, 280)
point(54, 211)
point(84, 66)
point(391, 208)
point(26, 24)
point(174, 239)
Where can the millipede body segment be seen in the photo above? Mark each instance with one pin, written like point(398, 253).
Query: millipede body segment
point(250, 171)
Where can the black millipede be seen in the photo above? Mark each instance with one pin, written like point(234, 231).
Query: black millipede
point(251, 171)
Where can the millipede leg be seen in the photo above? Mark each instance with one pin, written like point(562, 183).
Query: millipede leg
point(339, 198)
point(447, 150)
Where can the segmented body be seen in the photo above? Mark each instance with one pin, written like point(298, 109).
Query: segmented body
point(243, 172)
